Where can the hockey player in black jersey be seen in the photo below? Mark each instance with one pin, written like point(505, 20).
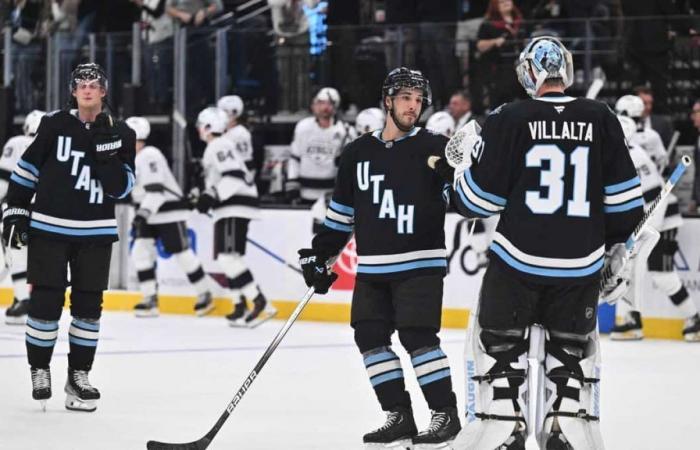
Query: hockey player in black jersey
point(558, 172)
point(80, 162)
point(396, 206)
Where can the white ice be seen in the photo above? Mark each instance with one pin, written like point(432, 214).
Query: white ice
point(170, 378)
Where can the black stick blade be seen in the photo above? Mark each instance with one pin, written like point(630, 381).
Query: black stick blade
point(196, 445)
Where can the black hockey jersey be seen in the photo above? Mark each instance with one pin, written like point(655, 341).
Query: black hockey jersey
point(558, 172)
point(74, 193)
point(395, 204)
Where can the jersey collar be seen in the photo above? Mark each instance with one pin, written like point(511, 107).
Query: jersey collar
point(555, 97)
point(378, 135)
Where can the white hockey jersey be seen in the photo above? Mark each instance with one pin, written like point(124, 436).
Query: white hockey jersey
point(243, 144)
point(226, 174)
point(652, 182)
point(11, 152)
point(156, 189)
point(312, 166)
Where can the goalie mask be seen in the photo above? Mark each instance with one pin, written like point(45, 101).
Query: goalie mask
point(544, 58)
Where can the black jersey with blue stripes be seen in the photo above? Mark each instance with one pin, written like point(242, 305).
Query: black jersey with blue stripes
point(558, 172)
point(387, 195)
point(73, 193)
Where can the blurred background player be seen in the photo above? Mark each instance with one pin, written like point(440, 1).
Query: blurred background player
point(316, 146)
point(236, 131)
point(460, 108)
point(161, 213)
point(232, 197)
point(369, 119)
point(441, 122)
point(660, 258)
point(647, 138)
point(11, 152)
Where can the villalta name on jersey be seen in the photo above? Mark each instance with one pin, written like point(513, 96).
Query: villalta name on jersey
point(403, 214)
point(575, 131)
point(81, 172)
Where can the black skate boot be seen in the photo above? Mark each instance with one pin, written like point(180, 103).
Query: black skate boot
point(204, 305)
point(80, 394)
point(557, 441)
point(262, 312)
point(397, 432)
point(16, 314)
point(516, 441)
point(630, 330)
point(148, 307)
point(444, 427)
point(237, 317)
point(691, 329)
point(41, 385)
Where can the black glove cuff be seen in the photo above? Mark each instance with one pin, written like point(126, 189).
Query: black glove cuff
point(16, 211)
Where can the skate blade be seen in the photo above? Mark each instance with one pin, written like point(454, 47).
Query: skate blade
point(73, 403)
point(146, 313)
point(238, 323)
point(692, 337)
point(632, 335)
point(441, 446)
point(16, 320)
point(401, 444)
point(262, 318)
point(204, 311)
point(42, 405)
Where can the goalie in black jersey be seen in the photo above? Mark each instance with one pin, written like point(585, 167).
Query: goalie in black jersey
point(557, 170)
point(395, 205)
point(80, 162)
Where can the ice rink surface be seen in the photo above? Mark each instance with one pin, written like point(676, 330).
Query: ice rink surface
point(170, 378)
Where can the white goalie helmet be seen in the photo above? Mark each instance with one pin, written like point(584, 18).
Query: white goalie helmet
point(232, 104)
point(630, 106)
point(369, 119)
point(32, 121)
point(328, 94)
point(544, 58)
point(441, 122)
point(629, 127)
point(140, 126)
point(213, 120)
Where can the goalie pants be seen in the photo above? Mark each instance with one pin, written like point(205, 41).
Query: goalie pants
point(413, 307)
point(47, 271)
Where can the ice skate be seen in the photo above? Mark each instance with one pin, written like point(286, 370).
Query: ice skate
point(16, 314)
point(237, 317)
point(515, 441)
point(396, 433)
point(41, 386)
point(148, 307)
point(262, 312)
point(691, 329)
point(630, 330)
point(443, 428)
point(204, 305)
point(80, 394)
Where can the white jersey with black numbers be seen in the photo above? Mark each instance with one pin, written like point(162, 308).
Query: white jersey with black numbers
point(313, 163)
point(156, 189)
point(651, 142)
point(226, 174)
point(242, 143)
point(14, 148)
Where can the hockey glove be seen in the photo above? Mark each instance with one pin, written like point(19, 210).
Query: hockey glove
point(616, 276)
point(316, 272)
point(140, 223)
point(15, 223)
point(443, 168)
point(105, 138)
point(206, 201)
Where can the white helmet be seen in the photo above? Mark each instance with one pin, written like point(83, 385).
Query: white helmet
point(32, 121)
point(369, 119)
point(141, 126)
point(328, 94)
point(629, 127)
point(441, 122)
point(544, 57)
point(213, 119)
point(232, 104)
point(630, 106)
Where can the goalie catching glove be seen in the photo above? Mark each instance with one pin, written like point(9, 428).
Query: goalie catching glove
point(316, 272)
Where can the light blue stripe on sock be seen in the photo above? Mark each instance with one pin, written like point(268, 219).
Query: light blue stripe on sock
point(383, 378)
point(439, 375)
point(429, 356)
point(39, 342)
point(43, 326)
point(84, 342)
point(380, 357)
point(86, 325)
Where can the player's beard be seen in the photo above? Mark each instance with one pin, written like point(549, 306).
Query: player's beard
point(404, 123)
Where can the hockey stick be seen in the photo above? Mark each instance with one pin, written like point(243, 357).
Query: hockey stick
point(274, 256)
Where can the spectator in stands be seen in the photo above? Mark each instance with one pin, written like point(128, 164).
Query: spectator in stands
point(661, 124)
point(460, 108)
point(194, 12)
point(695, 203)
point(499, 44)
point(550, 16)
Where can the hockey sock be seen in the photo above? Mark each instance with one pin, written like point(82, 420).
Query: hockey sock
point(193, 268)
point(386, 375)
point(240, 280)
point(433, 373)
point(683, 301)
point(40, 337)
point(671, 284)
point(83, 336)
point(147, 281)
point(144, 258)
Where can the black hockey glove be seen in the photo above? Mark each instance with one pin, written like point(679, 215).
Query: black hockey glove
point(140, 223)
point(444, 169)
point(205, 202)
point(15, 223)
point(105, 138)
point(316, 273)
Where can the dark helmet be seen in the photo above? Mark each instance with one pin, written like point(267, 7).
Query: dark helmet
point(88, 71)
point(402, 77)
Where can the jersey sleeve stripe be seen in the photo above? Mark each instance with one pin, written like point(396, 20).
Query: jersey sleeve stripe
point(130, 179)
point(637, 203)
point(330, 214)
point(337, 226)
point(26, 174)
point(24, 182)
point(623, 197)
point(154, 187)
point(493, 198)
point(235, 174)
point(623, 186)
point(479, 201)
point(338, 207)
point(472, 207)
point(28, 166)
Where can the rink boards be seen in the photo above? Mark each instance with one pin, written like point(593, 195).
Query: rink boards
point(280, 233)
